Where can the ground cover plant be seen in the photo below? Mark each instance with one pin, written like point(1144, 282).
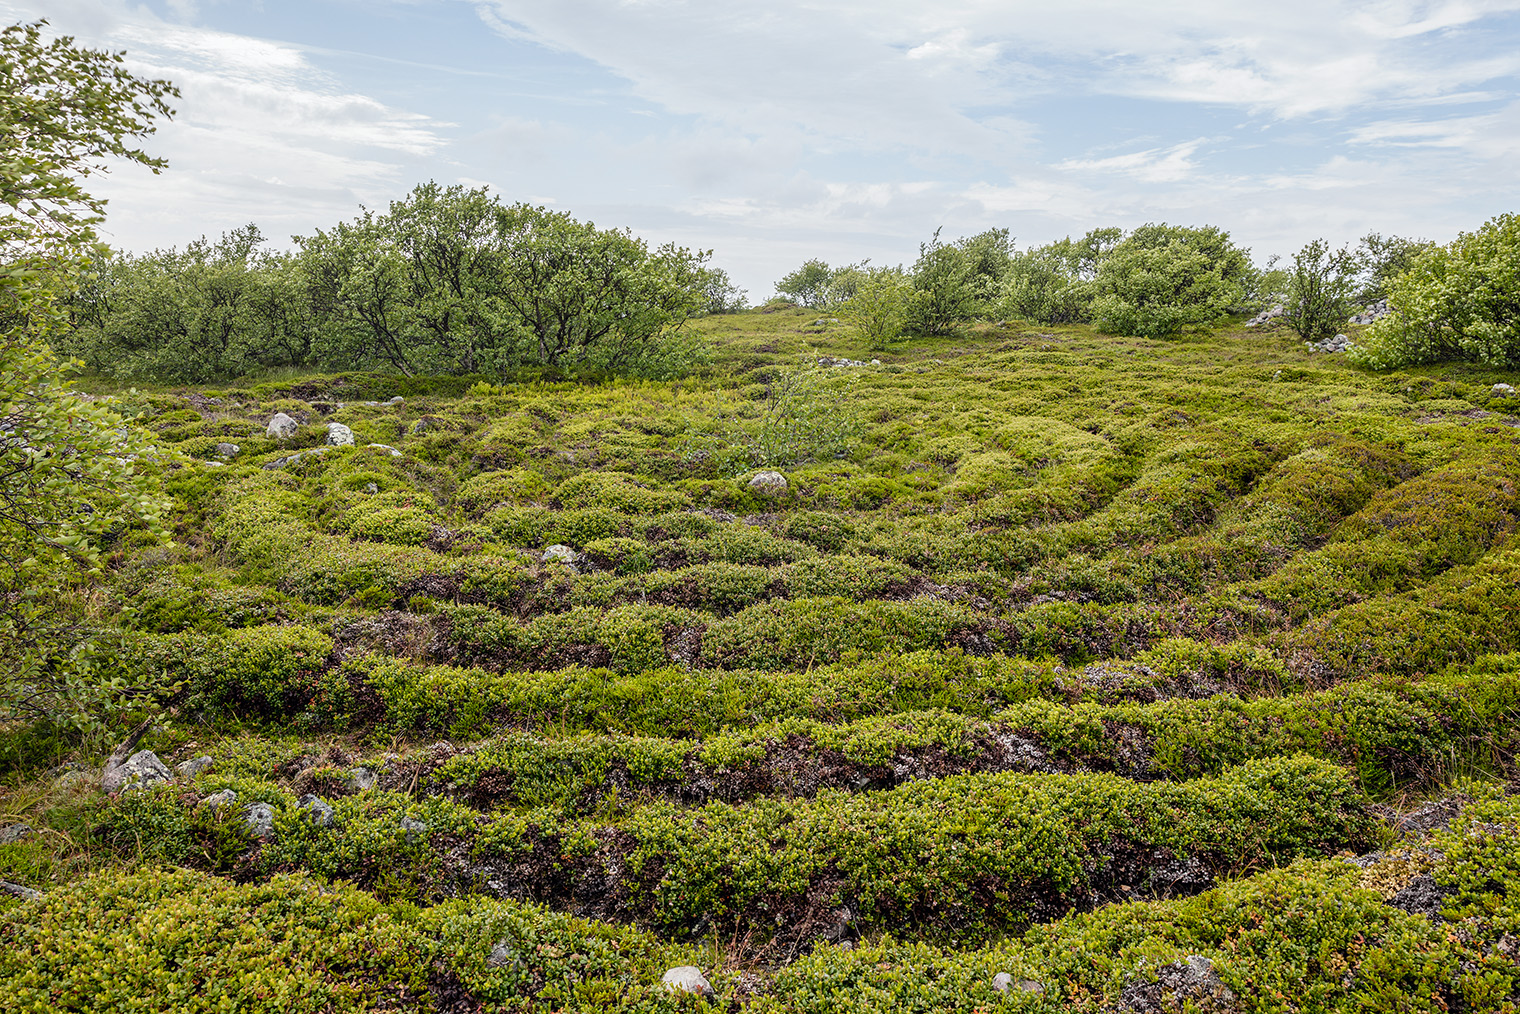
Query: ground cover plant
point(1091, 660)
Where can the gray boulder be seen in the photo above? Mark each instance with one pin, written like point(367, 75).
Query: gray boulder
point(1502, 391)
point(194, 766)
point(14, 833)
point(558, 553)
point(1189, 984)
point(227, 450)
point(1265, 316)
point(339, 435)
point(217, 800)
point(20, 890)
point(361, 779)
point(686, 979)
point(768, 484)
point(259, 817)
point(282, 427)
point(317, 808)
point(1005, 983)
point(503, 954)
point(291, 459)
point(414, 828)
point(138, 771)
point(387, 448)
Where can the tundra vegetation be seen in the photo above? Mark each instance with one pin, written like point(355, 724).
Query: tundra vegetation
point(1087, 650)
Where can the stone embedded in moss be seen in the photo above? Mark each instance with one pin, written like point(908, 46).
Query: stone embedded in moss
point(768, 483)
point(282, 427)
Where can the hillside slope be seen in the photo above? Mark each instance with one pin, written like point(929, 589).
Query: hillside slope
point(1020, 670)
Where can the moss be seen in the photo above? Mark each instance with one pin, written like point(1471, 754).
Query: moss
point(175, 940)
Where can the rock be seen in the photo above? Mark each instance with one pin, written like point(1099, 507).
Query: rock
point(361, 779)
point(282, 427)
point(14, 833)
point(1190, 984)
point(139, 771)
point(1422, 896)
point(768, 484)
point(1502, 391)
point(19, 890)
point(291, 459)
point(214, 464)
point(320, 812)
point(1004, 983)
point(396, 400)
point(420, 426)
point(386, 447)
point(1266, 315)
point(194, 766)
point(73, 780)
point(339, 435)
point(686, 979)
point(259, 818)
point(1372, 312)
point(502, 953)
point(217, 800)
point(558, 553)
point(227, 450)
point(414, 828)
point(1337, 344)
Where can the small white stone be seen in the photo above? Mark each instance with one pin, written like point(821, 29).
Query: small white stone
point(686, 979)
point(194, 766)
point(559, 553)
point(282, 427)
point(768, 483)
point(339, 435)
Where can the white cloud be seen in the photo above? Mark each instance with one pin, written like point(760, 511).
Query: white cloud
point(775, 131)
point(259, 133)
point(1154, 165)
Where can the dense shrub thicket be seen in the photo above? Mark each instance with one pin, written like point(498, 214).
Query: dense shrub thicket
point(446, 280)
point(1457, 302)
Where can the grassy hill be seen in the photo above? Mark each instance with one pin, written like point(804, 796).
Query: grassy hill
point(1149, 675)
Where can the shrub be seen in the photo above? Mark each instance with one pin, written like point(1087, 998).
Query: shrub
point(879, 307)
point(1161, 280)
point(1319, 291)
point(182, 941)
point(1454, 302)
point(962, 856)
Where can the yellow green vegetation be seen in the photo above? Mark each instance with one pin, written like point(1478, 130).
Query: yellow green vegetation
point(1067, 656)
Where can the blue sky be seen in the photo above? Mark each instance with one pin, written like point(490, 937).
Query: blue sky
point(775, 131)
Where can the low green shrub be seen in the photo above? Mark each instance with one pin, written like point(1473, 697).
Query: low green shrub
point(173, 940)
point(254, 672)
point(962, 856)
point(804, 632)
point(670, 702)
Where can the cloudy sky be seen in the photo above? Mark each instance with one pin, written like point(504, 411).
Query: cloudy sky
point(771, 131)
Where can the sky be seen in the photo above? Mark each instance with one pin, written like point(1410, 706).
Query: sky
point(777, 131)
